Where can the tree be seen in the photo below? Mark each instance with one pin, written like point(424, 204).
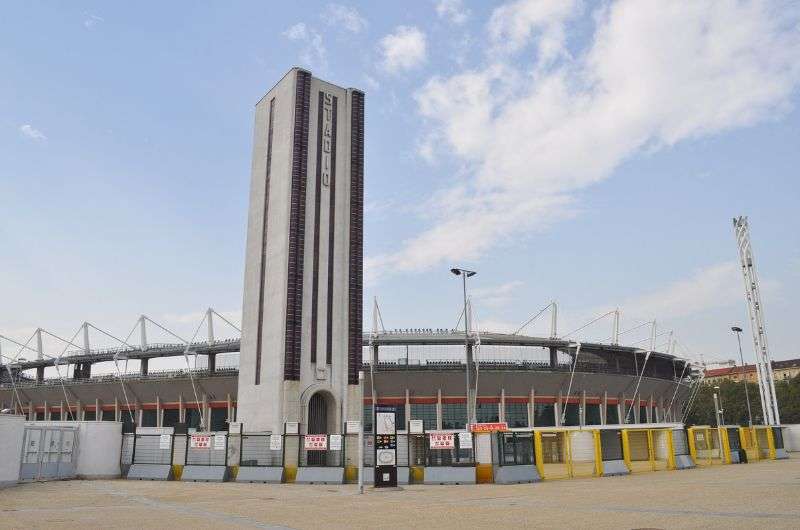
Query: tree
point(734, 404)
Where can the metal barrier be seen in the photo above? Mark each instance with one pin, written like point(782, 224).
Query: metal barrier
point(256, 450)
point(454, 456)
point(585, 453)
point(705, 445)
point(777, 443)
point(764, 443)
point(152, 449)
point(207, 449)
point(647, 449)
point(49, 452)
point(515, 449)
point(126, 453)
point(321, 450)
point(552, 454)
point(680, 442)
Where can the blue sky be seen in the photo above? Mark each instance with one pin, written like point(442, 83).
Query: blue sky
point(588, 152)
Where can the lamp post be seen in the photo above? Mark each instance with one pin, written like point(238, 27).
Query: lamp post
point(737, 330)
point(464, 275)
point(721, 410)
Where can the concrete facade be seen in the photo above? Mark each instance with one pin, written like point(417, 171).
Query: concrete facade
point(301, 328)
point(12, 429)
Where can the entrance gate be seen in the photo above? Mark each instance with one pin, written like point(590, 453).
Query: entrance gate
point(49, 452)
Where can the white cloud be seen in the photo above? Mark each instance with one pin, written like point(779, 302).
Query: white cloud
point(296, 32)
point(346, 17)
point(452, 10)
point(513, 26)
point(497, 295)
point(652, 75)
point(313, 53)
point(92, 20)
point(29, 131)
point(711, 287)
point(404, 49)
point(371, 82)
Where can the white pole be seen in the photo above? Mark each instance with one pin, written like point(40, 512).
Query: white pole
point(554, 320)
point(210, 318)
point(86, 347)
point(39, 348)
point(615, 334)
point(142, 333)
point(361, 433)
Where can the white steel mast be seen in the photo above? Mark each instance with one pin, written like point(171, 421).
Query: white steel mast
point(766, 381)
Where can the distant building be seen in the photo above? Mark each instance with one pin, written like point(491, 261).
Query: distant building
point(780, 369)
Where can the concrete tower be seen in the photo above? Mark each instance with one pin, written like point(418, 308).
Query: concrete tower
point(302, 309)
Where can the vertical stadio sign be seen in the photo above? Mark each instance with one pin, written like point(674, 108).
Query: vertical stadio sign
point(385, 446)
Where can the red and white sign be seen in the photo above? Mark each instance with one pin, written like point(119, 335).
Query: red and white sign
point(488, 427)
point(316, 442)
point(442, 440)
point(200, 441)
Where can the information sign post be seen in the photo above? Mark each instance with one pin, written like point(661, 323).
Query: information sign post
point(385, 447)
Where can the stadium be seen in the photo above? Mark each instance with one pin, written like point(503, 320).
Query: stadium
point(295, 394)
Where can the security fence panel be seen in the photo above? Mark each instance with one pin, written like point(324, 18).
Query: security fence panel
point(515, 449)
point(351, 450)
point(179, 446)
point(416, 449)
point(715, 446)
point(449, 449)
point(638, 450)
point(126, 455)
point(552, 454)
point(680, 443)
point(321, 450)
point(49, 453)
point(260, 450)
point(31, 454)
point(705, 444)
point(611, 444)
point(369, 451)
point(748, 440)
point(402, 450)
point(207, 449)
point(762, 441)
point(734, 442)
point(234, 448)
point(661, 441)
point(152, 449)
point(583, 453)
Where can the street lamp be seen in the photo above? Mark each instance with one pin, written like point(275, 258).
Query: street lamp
point(737, 330)
point(464, 275)
point(721, 409)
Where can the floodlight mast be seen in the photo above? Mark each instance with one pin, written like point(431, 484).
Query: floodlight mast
point(766, 380)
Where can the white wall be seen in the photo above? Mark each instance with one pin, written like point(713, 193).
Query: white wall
point(99, 447)
point(791, 437)
point(12, 429)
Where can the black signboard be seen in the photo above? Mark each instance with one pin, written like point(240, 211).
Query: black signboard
point(385, 446)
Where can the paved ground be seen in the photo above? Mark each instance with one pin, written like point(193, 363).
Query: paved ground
point(765, 494)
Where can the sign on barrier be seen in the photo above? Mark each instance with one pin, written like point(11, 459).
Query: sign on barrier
point(219, 441)
point(275, 442)
point(165, 441)
point(442, 440)
point(336, 442)
point(200, 441)
point(488, 427)
point(465, 440)
point(316, 442)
